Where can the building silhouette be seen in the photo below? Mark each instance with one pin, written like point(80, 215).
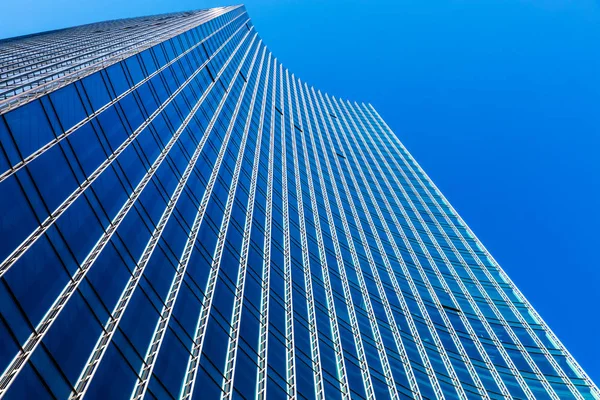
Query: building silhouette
point(184, 217)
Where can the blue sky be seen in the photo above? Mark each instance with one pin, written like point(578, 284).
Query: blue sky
point(498, 100)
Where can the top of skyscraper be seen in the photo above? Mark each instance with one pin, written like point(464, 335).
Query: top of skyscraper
point(33, 65)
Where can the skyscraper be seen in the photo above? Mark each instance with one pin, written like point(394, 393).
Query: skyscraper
point(183, 217)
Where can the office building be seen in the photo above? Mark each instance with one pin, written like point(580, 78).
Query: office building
point(181, 216)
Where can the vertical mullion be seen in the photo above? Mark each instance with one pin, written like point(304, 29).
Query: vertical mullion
point(234, 335)
point(263, 336)
point(310, 302)
point(287, 270)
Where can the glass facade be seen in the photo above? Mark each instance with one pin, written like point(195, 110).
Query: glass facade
point(183, 217)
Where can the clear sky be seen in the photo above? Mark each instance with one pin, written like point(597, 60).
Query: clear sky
point(499, 100)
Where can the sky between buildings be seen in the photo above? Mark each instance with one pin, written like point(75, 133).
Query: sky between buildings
point(498, 100)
